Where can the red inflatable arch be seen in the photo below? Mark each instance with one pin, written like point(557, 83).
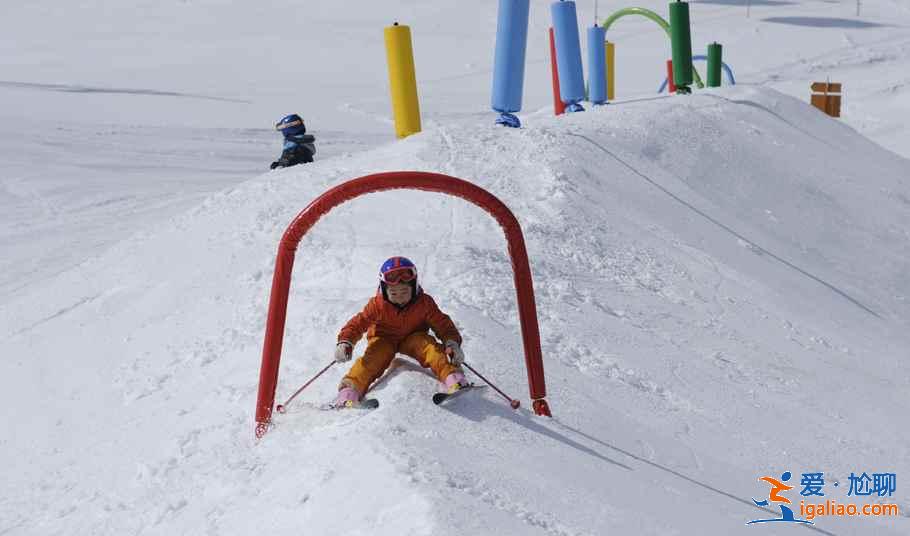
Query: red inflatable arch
point(433, 182)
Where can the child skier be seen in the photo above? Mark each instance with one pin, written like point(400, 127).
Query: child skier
point(396, 320)
point(299, 147)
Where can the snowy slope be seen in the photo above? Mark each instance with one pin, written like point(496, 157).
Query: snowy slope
point(721, 280)
point(143, 107)
point(699, 330)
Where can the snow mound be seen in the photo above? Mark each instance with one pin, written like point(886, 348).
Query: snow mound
point(721, 284)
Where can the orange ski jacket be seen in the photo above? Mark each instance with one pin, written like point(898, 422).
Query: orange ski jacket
point(381, 318)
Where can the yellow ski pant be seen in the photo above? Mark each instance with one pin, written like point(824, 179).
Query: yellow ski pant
point(379, 354)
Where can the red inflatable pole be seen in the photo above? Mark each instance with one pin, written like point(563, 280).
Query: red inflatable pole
point(418, 180)
point(671, 85)
point(558, 106)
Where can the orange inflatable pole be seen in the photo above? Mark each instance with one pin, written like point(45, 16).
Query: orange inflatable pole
point(671, 86)
point(559, 107)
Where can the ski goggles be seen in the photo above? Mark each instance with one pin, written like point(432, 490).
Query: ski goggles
point(404, 274)
point(290, 124)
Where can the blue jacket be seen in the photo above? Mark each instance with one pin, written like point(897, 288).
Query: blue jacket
point(298, 149)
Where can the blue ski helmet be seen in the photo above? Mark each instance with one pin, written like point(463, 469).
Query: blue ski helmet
point(395, 270)
point(291, 125)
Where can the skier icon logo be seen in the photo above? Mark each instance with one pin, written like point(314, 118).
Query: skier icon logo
point(778, 487)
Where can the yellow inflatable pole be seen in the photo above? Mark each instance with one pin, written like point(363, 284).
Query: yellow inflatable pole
point(611, 70)
point(402, 80)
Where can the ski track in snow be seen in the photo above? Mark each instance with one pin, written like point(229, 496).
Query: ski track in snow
point(74, 88)
point(758, 249)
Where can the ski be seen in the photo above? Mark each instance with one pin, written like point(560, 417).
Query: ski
point(439, 398)
point(367, 403)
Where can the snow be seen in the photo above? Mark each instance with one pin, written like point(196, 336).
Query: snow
point(721, 279)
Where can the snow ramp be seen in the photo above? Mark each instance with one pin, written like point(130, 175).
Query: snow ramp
point(721, 285)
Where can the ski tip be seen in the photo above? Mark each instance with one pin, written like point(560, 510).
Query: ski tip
point(369, 403)
point(439, 398)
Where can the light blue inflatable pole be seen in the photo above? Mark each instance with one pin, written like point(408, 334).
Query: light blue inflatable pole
point(597, 65)
point(509, 62)
point(568, 55)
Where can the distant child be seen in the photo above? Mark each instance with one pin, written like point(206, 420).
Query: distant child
point(299, 147)
point(396, 320)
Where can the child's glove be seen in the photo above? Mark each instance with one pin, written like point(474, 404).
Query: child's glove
point(343, 352)
point(454, 353)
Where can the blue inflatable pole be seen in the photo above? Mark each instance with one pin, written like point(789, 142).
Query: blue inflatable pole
point(597, 65)
point(509, 62)
point(568, 55)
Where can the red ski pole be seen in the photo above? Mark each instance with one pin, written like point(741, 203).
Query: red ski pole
point(512, 401)
point(280, 408)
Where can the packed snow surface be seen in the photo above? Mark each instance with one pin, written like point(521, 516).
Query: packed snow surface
point(722, 279)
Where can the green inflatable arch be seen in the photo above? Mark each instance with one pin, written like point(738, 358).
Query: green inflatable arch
point(647, 13)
